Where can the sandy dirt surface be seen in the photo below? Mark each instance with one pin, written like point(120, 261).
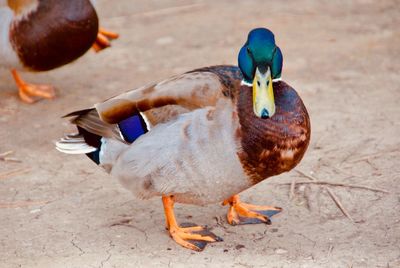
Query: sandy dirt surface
point(342, 57)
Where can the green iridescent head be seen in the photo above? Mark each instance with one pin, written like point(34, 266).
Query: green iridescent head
point(260, 61)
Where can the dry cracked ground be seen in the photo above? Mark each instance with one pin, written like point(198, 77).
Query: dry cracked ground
point(59, 210)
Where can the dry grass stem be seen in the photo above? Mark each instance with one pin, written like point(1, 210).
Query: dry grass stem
point(339, 204)
point(375, 155)
point(20, 204)
point(4, 157)
point(8, 174)
point(164, 11)
point(292, 188)
point(336, 184)
point(331, 194)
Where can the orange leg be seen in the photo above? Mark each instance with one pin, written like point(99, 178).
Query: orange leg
point(31, 93)
point(189, 236)
point(242, 213)
point(103, 39)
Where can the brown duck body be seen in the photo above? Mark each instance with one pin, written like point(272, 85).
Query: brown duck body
point(200, 137)
point(46, 34)
point(203, 114)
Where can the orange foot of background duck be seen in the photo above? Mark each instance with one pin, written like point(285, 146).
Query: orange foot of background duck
point(103, 39)
point(31, 93)
point(243, 213)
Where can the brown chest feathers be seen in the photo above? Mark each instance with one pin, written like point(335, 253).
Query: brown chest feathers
point(277, 144)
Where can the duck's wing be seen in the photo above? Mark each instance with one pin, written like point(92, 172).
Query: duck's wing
point(191, 90)
point(163, 114)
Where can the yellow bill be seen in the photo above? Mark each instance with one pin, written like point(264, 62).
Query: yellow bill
point(263, 94)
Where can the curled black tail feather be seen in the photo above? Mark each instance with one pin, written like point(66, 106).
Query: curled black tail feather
point(92, 130)
point(92, 140)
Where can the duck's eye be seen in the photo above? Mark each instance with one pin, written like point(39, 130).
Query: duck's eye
point(258, 84)
point(248, 50)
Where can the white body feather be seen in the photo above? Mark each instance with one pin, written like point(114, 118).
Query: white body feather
point(193, 158)
point(8, 57)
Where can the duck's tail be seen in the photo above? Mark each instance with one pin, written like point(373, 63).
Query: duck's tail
point(100, 141)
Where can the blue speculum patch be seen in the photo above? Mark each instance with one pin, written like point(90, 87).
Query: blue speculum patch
point(132, 128)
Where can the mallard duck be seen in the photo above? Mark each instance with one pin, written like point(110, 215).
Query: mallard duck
point(40, 35)
point(200, 137)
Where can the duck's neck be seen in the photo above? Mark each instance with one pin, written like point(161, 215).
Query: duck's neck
point(277, 144)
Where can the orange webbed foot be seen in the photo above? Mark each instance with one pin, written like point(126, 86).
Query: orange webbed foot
point(192, 236)
point(103, 39)
point(187, 235)
point(243, 213)
point(31, 93)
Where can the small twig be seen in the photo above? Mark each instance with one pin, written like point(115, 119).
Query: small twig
point(124, 222)
point(355, 149)
point(337, 184)
point(7, 174)
point(330, 251)
point(220, 222)
point(292, 188)
point(339, 204)
point(306, 175)
point(331, 194)
point(4, 157)
point(162, 11)
point(345, 173)
point(10, 159)
point(307, 197)
point(20, 204)
point(371, 164)
point(127, 222)
point(375, 155)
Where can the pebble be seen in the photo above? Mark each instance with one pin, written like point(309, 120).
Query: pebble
point(35, 210)
point(166, 40)
point(280, 251)
point(239, 246)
